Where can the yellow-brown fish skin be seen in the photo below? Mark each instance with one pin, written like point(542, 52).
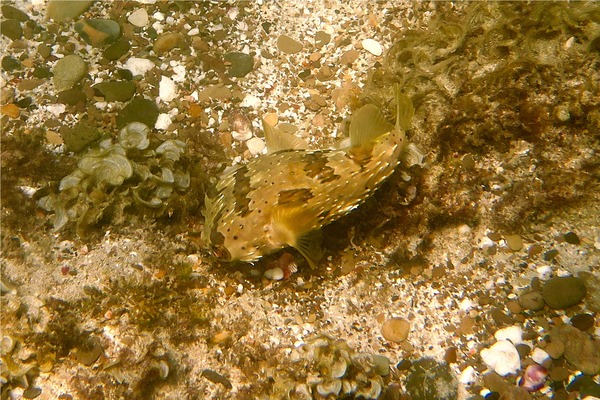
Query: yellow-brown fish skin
point(277, 199)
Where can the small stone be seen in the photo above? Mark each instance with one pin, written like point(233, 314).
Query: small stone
point(502, 357)
point(68, 71)
point(138, 66)
point(322, 38)
point(395, 330)
point(558, 374)
point(98, 32)
point(44, 50)
point(65, 10)
point(288, 45)
point(550, 255)
point(53, 138)
point(555, 349)
point(12, 29)
point(10, 12)
point(514, 334)
point(372, 46)
point(29, 84)
point(255, 145)
point(241, 63)
point(167, 91)
point(116, 90)
point(349, 57)
point(72, 97)
point(10, 63)
point(581, 351)
point(138, 18)
point(138, 110)
point(11, 110)
point(166, 42)
point(80, 136)
point(514, 242)
point(431, 380)
point(451, 356)
point(163, 122)
point(583, 322)
point(117, 50)
point(274, 274)
point(533, 301)
point(539, 356)
point(563, 292)
point(572, 238)
point(90, 353)
point(32, 392)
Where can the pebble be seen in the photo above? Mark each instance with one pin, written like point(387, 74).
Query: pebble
point(514, 242)
point(138, 110)
point(138, 18)
point(117, 50)
point(372, 46)
point(10, 12)
point(255, 145)
point(10, 63)
point(572, 238)
point(539, 356)
point(167, 91)
point(581, 351)
point(514, 334)
point(98, 32)
point(289, 45)
point(349, 57)
point(322, 38)
point(12, 29)
point(563, 292)
point(80, 136)
point(395, 330)
point(44, 50)
point(241, 63)
point(431, 380)
point(583, 322)
point(138, 66)
point(72, 96)
point(29, 84)
point(163, 121)
point(116, 90)
point(167, 42)
point(533, 301)
point(11, 110)
point(68, 71)
point(502, 357)
point(61, 10)
point(274, 274)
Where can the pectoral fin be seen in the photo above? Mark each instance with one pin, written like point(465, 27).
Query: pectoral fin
point(367, 125)
point(278, 140)
point(309, 245)
point(295, 226)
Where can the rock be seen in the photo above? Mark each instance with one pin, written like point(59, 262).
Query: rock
point(274, 274)
point(533, 301)
point(11, 110)
point(502, 357)
point(44, 50)
point(581, 351)
point(139, 66)
point(98, 32)
point(167, 42)
point(395, 329)
point(349, 57)
point(167, 91)
point(514, 242)
point(12, 29)
point(512, 333)
point(515, 393)
point(163, 122)
point(563, 292)
point(116, 90)
point(138, 110)
point(431, 380)
point(72, 97)
point(80, 136)
point(117, 50)
point(10, 12)
point(68, 71)
point(65, 10)
point(572, 238)
point(241, 63)
point(583, 322)
point(592, 284)
point(10, 63)
point(372, 46)
point(138, 18)
point(322, 38)
point(29, 84)
point(255, 146)
point(288, 45)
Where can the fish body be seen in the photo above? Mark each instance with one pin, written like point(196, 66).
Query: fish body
point(283, 198)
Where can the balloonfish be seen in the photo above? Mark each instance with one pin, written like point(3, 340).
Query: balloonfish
point(284, 197)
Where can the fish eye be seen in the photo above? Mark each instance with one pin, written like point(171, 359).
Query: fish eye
point(221, 253)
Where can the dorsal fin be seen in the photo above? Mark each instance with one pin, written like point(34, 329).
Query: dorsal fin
point(367, 125)
point(278, 140)
point(404, 109)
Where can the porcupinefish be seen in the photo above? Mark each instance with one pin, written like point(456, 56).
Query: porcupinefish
point(284, 197)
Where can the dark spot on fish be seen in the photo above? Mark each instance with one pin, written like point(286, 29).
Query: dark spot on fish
point(235, 237)
point(241, 188)
point(315, 166)
point(294, 196)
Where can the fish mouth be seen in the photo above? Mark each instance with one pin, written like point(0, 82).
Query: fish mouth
point(221, 253)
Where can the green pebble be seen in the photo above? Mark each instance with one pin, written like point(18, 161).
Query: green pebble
point(241, 64)
point(68, 71)
point(12, 29)
point(72, 97)
point(66, 10)
point(10, 12)
point(117, 50)
point(572, 238)
point(289, 45)
point(42, 72)
point(44, 50)
point(116, 90)
point(80, 136)
point(563, 292)
point(98, 32)
point(138, 110)
point(10, 63)
point(431, 380)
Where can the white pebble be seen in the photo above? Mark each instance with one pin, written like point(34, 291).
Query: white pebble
point(166, 89)
point(255, 145)
point(138, 66)
point(539, 355)
point(139, 17)
point(502, 357)
point(275, 274)
point(512, 333)
point(241, 136)
point(250, 101)
point(163, 121)
point(468, 376)
point(193, 32)
point(372, 46)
